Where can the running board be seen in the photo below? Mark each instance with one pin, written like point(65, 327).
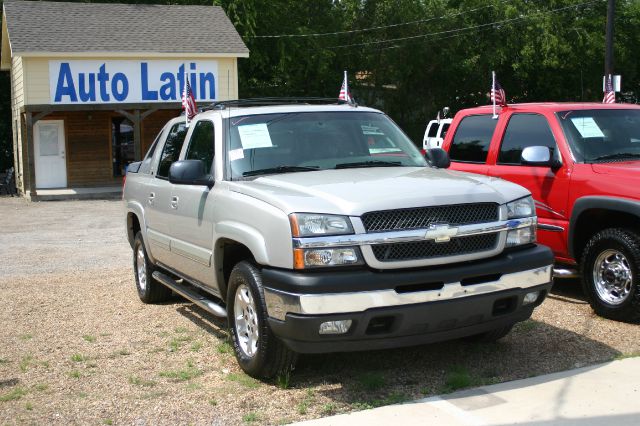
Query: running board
point(565, 273)
point(200, 300)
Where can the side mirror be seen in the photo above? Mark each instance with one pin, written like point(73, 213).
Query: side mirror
point(541, 156)
point(189, 172)
point(438, 157)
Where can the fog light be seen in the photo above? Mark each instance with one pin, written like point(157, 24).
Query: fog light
point(335, 327)
point(530, 297)
point(516, 237)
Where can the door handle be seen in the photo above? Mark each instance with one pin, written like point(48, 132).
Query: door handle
point(152, 197)
point(174, 202)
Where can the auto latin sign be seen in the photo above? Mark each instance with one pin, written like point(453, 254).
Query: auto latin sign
point(127, 81)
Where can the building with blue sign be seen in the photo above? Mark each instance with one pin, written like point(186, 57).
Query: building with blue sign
point(92, 84)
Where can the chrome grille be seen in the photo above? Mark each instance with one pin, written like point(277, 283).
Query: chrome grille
point(422, 217)
point(430, 249)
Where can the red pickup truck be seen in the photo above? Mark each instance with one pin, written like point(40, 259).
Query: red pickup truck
point(581, 162)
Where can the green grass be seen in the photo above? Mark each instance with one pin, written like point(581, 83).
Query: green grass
point(371, 381)
point(193, 386)
point(627, 355)
point(187, 373)
point(137, 381)
point(196, 346)
point(303, 406)
point(82, 395)
point(177, 342)
point(14, 395)
point(244, 380)
point(283, 380)
point(107, 421)
point(392, 398)
point(4, 361)
point(181, 330)
point(329, 409)
point(74, 374)
point(250, 417)
point(213, 402)
point(78, 358)
point(26, 337)
point(25, 363)
point(526, 326)
point(457, 378)
point(89, 338)
point(41, 387)
point(224, 348)
point(28, 406)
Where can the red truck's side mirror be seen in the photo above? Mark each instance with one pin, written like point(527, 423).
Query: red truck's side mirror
point(438, 157)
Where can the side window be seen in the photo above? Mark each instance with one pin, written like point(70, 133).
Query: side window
point(445, 129)
point(522, 131)
point(171, 150)
point(145, 167)
point(433, 130)
point(472, 139)
point(201, 144)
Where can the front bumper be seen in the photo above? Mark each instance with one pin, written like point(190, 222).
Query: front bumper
point(401, 308)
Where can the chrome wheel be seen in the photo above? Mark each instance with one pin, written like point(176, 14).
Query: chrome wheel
point(612, 277)
point(141, 268)
point(246, 321)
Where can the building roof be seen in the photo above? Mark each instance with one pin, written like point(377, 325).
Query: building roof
point(65, 27)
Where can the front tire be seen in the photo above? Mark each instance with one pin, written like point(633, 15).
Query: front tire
point(149, 290)
point(611, 274)
point(258, 351)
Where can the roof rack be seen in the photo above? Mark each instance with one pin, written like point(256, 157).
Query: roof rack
point(252, 102)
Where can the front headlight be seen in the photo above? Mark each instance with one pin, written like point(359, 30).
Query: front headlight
point(312, 225)
point(523, 207)
point(318, 258)
point(518, 209)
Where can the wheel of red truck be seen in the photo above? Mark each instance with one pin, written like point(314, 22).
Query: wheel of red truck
point(149, 290)
point(258, 351)
point(611, 274)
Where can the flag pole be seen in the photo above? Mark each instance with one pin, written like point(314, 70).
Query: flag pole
point(346, 88)
point(493, 93)
point(184, 96)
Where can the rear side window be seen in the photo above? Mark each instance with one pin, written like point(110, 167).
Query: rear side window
point(472, 139)
point(433, 130)
point(522, 131)
point(171, 149)
point(445, 129)
point(201, 144)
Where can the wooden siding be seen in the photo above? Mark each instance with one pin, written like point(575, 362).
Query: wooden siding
point(152, 125)
point(17, 76)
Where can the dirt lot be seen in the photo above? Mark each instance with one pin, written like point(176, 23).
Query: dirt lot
point(77, 346)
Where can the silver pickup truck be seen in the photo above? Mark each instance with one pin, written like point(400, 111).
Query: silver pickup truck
point(317, 226)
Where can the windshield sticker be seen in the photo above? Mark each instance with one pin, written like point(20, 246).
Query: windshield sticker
point(587, 127)
point(370, 130)
point(236, 154)
point(255, 136)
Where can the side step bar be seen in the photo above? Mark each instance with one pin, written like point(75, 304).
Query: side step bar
point(200, 300)
point(565, 273)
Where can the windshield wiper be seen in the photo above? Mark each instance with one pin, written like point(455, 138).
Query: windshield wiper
point(280, 169)
point(618, 156)
point(373, 163)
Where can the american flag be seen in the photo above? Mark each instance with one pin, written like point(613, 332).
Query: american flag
point(609, 93)
point(344, 90)
point(497, 94)
point(188, 101)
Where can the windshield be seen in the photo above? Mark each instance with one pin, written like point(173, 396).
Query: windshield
point(602, 135)
point(308, 141)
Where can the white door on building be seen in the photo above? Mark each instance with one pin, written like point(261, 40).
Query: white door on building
point(51, 165)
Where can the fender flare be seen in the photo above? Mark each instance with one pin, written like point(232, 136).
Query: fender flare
point(583, 204)
point(246, 235)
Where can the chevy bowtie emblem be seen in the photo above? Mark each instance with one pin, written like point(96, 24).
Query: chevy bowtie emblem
point(440, 232)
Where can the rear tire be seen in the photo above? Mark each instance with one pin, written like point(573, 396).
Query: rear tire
point(258, 351)
point(491, 335)
point(610, 268)
point(149, 290)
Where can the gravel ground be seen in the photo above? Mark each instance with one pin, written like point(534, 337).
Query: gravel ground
point(78, 347)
